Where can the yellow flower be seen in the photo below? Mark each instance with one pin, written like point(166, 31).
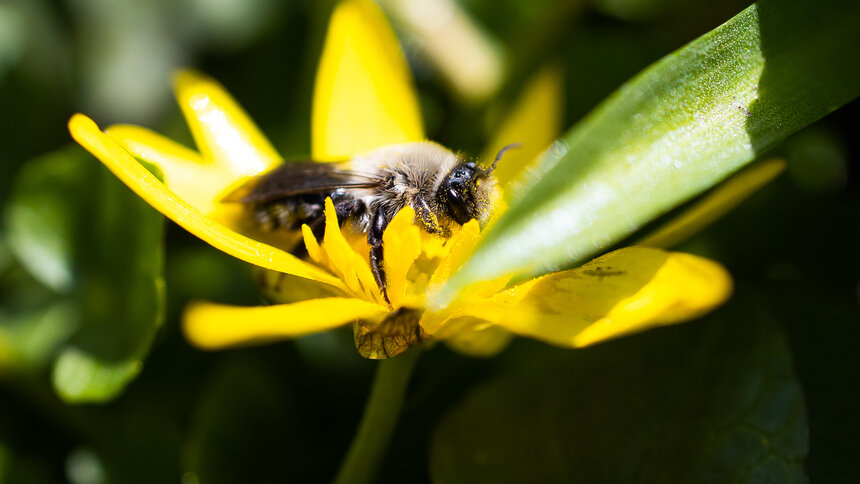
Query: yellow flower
point(364, 99)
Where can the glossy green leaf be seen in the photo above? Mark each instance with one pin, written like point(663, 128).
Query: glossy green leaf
point(676, 129)
point(83, 234)
point(712, 402)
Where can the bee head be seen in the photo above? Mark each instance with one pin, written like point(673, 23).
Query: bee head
point(465, 191)
point(458, 192)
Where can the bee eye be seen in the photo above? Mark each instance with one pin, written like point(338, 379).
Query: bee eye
point(461, 176)
point(458, 207)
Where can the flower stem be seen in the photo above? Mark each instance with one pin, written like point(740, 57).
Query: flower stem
point(379, 420)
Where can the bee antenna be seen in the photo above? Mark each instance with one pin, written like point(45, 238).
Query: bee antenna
point(502, 152)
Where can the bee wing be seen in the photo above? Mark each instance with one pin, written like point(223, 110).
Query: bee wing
point(300, 178)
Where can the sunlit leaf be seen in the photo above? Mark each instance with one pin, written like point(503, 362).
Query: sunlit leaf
point(713, 205)
point(678, 128)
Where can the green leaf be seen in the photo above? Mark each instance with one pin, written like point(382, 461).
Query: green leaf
point(82, 233)
point(711, 402)
point(29, 341)
point(673, 131)
point(41, 217)
point(120, 255)
point(83, 377)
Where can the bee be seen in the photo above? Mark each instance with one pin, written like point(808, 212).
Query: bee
point(443, 188)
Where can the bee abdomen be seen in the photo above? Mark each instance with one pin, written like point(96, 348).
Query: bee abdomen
point(288, 213)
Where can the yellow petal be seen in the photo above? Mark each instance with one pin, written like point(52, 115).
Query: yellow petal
point(626, 291)
point(471, 302)
point(714, 205)
point(214, 326)
point(478, 338)
point(535, 121)
point(363, 97)
point(434, 246)
point(402, 245)
point(148, 187)
point(223, 131)
point(280, 288)
point(456, 250)
point(201, 183)
point(198, 182)
point(445, 323)
point(459, 248)
point(353, 268)
point(313, 247)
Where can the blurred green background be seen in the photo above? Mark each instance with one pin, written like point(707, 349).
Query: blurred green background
point(763, 390)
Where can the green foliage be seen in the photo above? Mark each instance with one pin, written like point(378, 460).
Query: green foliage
point(41, 218)
point(33, 337)
point(87, 238)
point(80, 256)
point(678, 128)
point(718, 403)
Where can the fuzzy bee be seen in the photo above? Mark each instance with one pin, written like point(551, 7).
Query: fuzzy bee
point(368, 190)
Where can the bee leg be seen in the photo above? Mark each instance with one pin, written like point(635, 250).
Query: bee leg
point(347, 209)
point(374, 240)
point(424, 214)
